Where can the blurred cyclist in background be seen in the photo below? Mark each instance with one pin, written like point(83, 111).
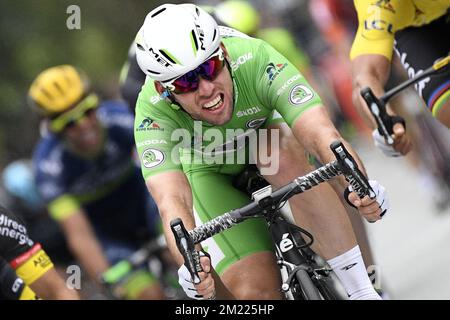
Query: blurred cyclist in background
point(22, 197)
point(25, 268)
point(401, 26)
point(86, 174)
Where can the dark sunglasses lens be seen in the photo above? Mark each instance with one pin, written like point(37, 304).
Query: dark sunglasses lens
point(210, 68)
point(187, 82)
point(207, 70)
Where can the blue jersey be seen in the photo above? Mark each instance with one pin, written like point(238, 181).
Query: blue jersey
point(109, 187)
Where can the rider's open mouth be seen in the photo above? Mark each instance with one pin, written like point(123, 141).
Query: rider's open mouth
point(214, 104)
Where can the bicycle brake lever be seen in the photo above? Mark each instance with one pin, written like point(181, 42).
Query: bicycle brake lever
point(351, 171)
point(186, 247)
point(378, 109)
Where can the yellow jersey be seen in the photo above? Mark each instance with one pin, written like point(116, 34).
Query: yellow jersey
point(378, 20)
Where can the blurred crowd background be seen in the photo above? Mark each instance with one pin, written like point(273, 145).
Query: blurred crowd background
point(35, 36)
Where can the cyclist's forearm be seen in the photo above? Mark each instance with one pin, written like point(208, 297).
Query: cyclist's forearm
point(50, 286)
point(358, 101)
point(89, 253)
point(84, 244)
point(173, 196)
point(172, 208)
point(316, 132)
point(369, 71)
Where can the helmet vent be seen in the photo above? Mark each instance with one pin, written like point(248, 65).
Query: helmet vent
point(58, 87)
point(154, 72)
point(197, 11)
point(214, 35)
point(194, 38)
point(167, 56)
point(46, 93)
point(157, 12)
point(140, 47)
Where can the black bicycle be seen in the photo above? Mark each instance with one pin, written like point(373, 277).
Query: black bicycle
point(305, 278)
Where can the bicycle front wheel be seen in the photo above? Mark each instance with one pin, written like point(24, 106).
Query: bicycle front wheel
point(307, 286)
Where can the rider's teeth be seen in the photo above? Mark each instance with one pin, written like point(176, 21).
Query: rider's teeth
point(212, 103)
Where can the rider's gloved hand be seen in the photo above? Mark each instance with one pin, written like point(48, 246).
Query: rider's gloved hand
point(401, 145)
point(205, 289)
point(371, 209)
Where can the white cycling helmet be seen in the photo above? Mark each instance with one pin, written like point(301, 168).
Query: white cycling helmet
point(175, 39)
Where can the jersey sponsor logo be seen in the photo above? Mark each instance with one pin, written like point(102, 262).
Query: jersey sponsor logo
point(152, 158)
point(148, 125)
point(300, 94)
point(14, 230)
point(420, 85)
point(255, 123)
point(384, 4)
point(248, 112)
point(378, 24)
point(241, 60)
point(151, 142)
point(287, 84)
point(17, 285)
point(10, 223)
point(273, 70)
point(33, 268)
point(41, 260)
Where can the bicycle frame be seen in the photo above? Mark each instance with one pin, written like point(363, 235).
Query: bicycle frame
point(267, 203)
point(294, 256)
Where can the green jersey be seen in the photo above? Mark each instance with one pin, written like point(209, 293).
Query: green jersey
point(266, 86)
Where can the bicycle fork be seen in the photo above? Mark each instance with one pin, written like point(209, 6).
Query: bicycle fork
point(288, 253)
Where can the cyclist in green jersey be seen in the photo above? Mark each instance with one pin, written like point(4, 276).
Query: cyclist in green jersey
point(208, 90)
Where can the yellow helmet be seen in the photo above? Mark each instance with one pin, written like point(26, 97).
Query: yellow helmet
point(57, 89)
point(238, 14)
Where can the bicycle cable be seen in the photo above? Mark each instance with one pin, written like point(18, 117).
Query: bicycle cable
point(281, 203)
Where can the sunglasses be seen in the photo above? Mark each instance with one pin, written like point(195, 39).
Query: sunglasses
point(71, 118)
point(207, 70)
